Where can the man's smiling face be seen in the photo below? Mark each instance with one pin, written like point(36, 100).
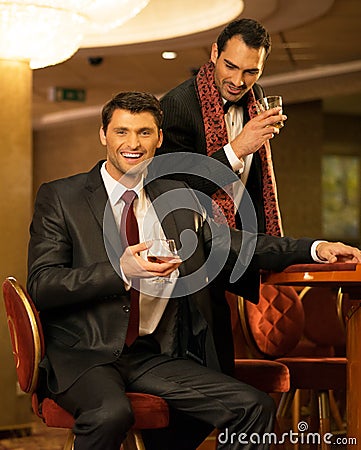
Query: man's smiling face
point(130, 139)
point(237, 68)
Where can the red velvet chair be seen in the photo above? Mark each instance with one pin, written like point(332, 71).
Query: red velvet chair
point(266, 375)
point(325, 333)
point(150, 411)
point(272, 329)
point(325, 311)
point(28, 348)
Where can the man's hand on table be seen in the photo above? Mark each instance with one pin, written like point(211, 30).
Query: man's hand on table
point(332, 252)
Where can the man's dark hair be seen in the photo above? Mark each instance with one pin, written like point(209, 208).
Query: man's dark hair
point(252, 33)
point(134, 102)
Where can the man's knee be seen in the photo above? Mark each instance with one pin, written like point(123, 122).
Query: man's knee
point(116, 418)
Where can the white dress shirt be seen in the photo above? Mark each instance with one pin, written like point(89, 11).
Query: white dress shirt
point(234, 124)
point(154, 296)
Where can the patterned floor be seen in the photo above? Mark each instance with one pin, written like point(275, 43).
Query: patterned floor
point(41, 438)
point(44, 438)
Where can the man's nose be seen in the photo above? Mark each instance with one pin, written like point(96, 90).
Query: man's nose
point(133, 140)
point(238, 80)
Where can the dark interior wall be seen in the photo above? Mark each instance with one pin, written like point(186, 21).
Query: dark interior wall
point(297, 159)
point(61, 150)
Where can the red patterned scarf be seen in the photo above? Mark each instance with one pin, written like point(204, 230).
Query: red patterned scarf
point(216, 137)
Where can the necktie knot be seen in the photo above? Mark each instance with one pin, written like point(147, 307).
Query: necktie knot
point(129, 196)
point(229, 103)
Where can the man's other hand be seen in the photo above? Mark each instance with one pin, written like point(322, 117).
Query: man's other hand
point(338, 252)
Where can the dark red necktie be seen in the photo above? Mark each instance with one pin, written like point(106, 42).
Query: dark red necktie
point(129, 234)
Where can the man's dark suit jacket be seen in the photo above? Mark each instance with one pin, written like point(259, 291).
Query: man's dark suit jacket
point(83, 303)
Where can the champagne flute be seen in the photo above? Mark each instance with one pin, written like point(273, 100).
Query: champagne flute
point(160, 251)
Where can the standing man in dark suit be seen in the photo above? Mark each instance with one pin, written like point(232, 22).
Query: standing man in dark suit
point(88, 282)
point(213, 114)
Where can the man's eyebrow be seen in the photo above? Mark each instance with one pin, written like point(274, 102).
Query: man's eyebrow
point(138, 130)
point(230, 63)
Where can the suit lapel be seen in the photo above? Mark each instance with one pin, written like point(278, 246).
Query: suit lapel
point(97, 198)
point(95, 193)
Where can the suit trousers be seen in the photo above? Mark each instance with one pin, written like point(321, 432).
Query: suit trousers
point(200, 399)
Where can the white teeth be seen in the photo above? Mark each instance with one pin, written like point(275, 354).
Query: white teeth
point(132, 155)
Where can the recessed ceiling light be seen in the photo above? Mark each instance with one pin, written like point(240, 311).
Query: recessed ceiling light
point(169, 55)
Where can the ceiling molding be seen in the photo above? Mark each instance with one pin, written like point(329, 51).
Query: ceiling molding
point(311, 74)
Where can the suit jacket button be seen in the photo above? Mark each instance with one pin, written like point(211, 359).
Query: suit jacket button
point(126, 309)
point(116, 353)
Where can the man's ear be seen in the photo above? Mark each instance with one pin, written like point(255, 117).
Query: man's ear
point(160, 140)
point(214, 52)
point(102, 136)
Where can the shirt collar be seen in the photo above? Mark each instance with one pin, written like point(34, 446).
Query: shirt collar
point(114, 188)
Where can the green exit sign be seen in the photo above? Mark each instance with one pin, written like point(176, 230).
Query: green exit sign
point(69, 95)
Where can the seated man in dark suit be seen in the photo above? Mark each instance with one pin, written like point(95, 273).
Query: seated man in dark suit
point(110, 324)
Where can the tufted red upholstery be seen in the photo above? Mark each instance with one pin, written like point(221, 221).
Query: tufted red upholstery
point(28, 348)
point(267, 376)
point(276, 323)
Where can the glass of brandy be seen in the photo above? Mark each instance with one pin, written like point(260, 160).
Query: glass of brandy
point(160, 251)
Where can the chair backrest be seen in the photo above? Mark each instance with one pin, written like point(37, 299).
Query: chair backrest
point(325, 312)
point(25, 332)
point(273, 326)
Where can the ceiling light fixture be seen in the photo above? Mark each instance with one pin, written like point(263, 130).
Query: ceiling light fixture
point(47, 32)
point(169, 55)
point(167, 19)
